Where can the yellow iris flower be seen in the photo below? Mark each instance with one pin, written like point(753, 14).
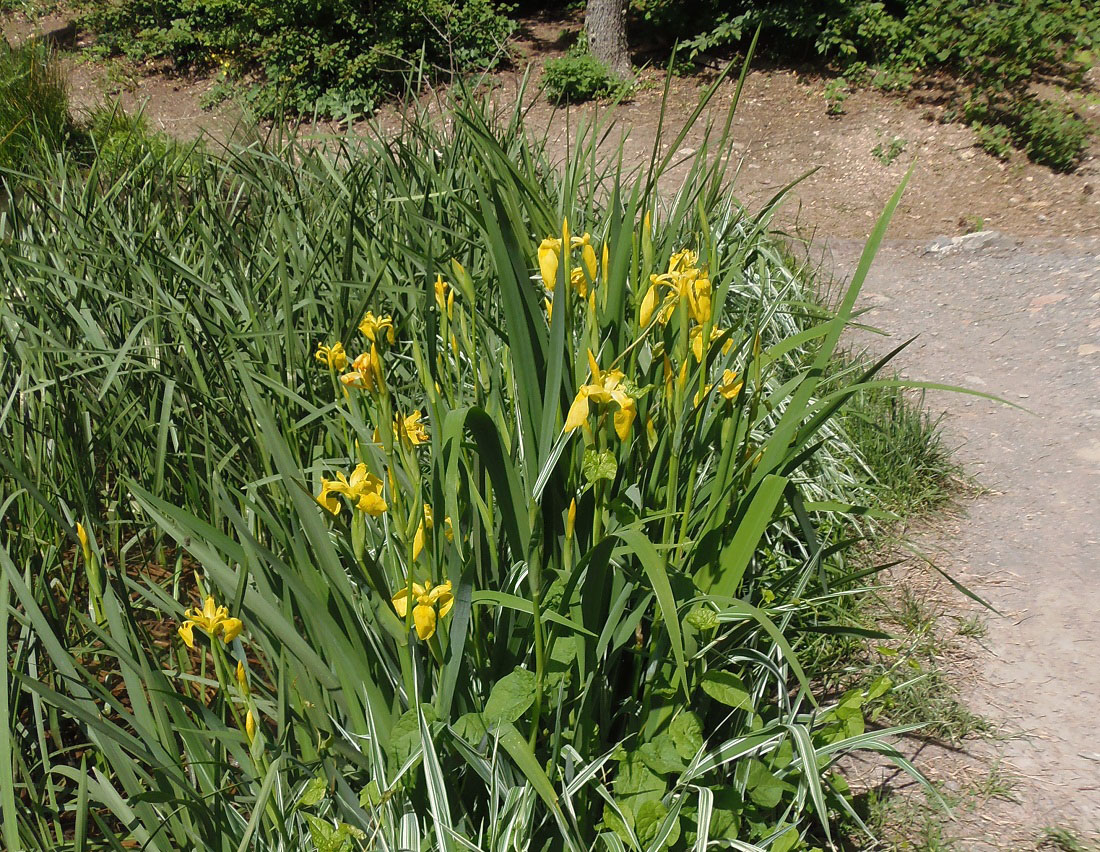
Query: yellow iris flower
point(410, 429)
point(366, 371)
point(432, 604)
point(729, 387)
point(444, 297)
point(85, 547)
point(426, 527)
point(549, 250)
point(334, 357)
point(373, 328)
point(550, 255)
point(211, 618)
point(696, 335)
point(363, 489)
point(684, 282)
point(605, 387)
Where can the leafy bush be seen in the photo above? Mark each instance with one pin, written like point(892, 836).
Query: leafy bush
point(507, 498)
point(995, 49)
point(580, 76)
point(995, 139)
point(332, 57)
point(1049, 133)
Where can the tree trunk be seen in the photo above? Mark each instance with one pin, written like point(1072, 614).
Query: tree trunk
point(605, 25)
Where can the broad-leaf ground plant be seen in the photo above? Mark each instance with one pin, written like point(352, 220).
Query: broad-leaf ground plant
point(411, 493)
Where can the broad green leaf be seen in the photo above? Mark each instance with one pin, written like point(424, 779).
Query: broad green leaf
point(764, 788)
point(597, 466)
point(702, 618)
point(636, 782)
point(471, 727)
point(313, 793)
point(660, 755)
point(787, 841)
point(510, 697)
point(647, 822)
point(686, 732)
point(405, 734)
point(727, 688)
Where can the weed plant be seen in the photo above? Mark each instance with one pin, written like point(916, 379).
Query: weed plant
point(409, 492)
point(579, 76)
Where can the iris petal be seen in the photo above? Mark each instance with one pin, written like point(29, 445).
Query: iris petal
point(231, 629)
point(578, 411)
point(424, 619)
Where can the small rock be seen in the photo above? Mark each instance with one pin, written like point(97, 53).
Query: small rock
point(978, 241)
point(1088, 349)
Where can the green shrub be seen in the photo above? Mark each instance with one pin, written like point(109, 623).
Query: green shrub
point(312, 55)
point(994, 49)
point(580, 76)
point(34, 106)
point(1050, 134)
point(995, 139)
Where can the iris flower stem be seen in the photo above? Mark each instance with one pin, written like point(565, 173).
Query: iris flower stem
point(339, 388)
point(534, 573)
point(225, 676)
point(597, 514)
point(689, 498)
point(408, 661)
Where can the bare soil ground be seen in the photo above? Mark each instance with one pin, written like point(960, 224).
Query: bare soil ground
point(1018, 318)
point(781, 132)
point(1015, 315)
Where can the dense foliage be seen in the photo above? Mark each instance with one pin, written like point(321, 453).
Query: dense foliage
point(579, 76)
point(331, 57)
point(335, 58)
point(995, 50)
point(414, 493)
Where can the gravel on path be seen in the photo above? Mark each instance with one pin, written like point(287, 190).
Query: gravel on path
point(1019, 319)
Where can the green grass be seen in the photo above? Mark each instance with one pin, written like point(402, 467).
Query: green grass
point(910, 465)
point(1065, 840)
point(972, 627)
point(627, 662)
point(34, 106)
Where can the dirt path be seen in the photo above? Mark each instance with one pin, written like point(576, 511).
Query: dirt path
point(1018, 318)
